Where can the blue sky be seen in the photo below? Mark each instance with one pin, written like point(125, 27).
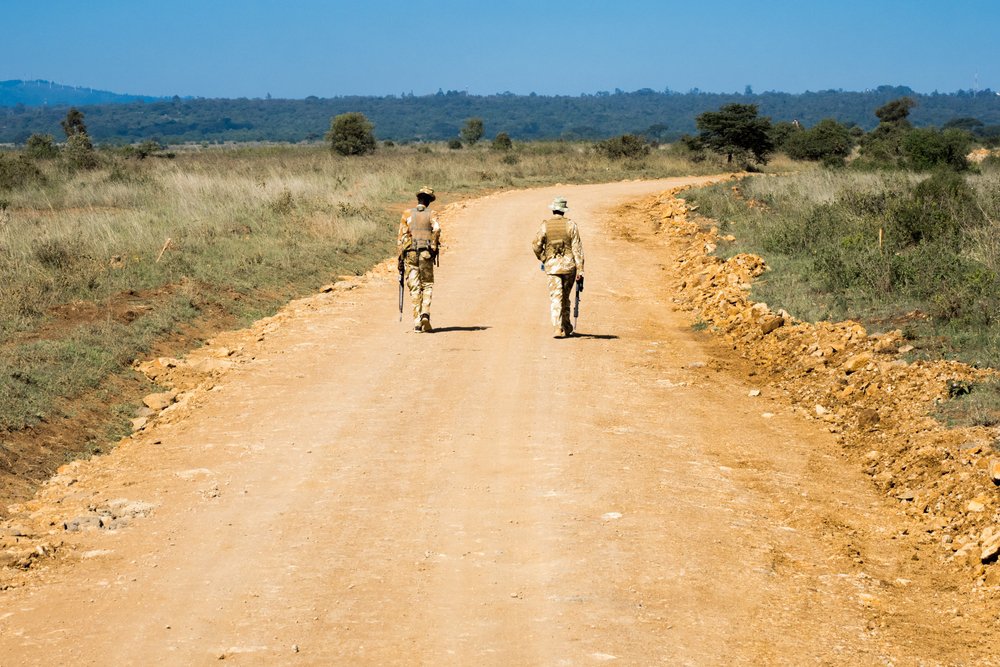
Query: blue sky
point(296, 48)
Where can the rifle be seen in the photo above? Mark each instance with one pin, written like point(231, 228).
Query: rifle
point(576, 305)
point(401, 269)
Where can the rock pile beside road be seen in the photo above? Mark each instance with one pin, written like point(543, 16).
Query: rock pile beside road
point(858, 384)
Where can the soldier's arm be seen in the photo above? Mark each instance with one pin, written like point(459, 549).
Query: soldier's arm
point(436, 233)
point(538, 245)
point(404, 229)
point(577, 246)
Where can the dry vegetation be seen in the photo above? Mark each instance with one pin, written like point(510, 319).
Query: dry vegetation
point(894, 249)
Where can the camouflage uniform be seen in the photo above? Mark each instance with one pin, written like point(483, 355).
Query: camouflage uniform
point(557, 244)
point(418, 242)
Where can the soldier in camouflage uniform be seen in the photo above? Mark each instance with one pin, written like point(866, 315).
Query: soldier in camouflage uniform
point(557, 244)
point(418, 243)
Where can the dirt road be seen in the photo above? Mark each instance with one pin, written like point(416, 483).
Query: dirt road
point(486, 494)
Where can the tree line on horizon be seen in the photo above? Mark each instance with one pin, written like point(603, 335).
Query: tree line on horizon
point(658, 116)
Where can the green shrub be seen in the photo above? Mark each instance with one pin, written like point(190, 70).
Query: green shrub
point(828, 141)
point(79, 152)
point(351, 134)
point(737, 132)
point(991, 164)
point(937, 211)
point(782, 131)
point(626, 146)
point(455, 144)
point(502, 142)
point(41, 147)
point(928, 148)
point(472, 131)
point(18, 172)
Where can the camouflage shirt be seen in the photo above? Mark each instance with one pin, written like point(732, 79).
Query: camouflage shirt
point(559, 255)
point(404, 239)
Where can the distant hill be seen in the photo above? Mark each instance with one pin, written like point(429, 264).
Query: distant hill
point(41, 93)
point(663, 116)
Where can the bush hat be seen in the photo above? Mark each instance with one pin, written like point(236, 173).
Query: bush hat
point(427, 191)
point(559, 204)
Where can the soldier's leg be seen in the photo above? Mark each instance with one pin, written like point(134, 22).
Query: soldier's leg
point(564, 310)
point(426, 282)
point(555, 302)
point(425, 296)
point(415, 288)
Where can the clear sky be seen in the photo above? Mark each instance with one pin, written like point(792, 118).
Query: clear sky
point(296, 48)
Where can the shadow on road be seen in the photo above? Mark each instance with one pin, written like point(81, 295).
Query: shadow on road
point(577, 334)
point(449, 329)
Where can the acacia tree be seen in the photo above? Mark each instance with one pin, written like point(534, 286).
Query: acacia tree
point(736, 131)
point(473, 130)
point(351, 134)
point(73, 123)
point(896, 111)
point(884, 144)
point(79, 149)
point(828, 141)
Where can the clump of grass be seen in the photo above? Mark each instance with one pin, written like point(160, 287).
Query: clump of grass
point(976, 405)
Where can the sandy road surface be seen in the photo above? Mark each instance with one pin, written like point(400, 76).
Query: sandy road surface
point(361, 494)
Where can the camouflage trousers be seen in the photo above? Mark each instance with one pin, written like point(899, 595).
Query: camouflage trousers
point(560, 289)
point(420, 282)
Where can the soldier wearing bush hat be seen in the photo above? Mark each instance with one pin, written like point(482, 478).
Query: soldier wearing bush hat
point(418, 243)
point(557, 244)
